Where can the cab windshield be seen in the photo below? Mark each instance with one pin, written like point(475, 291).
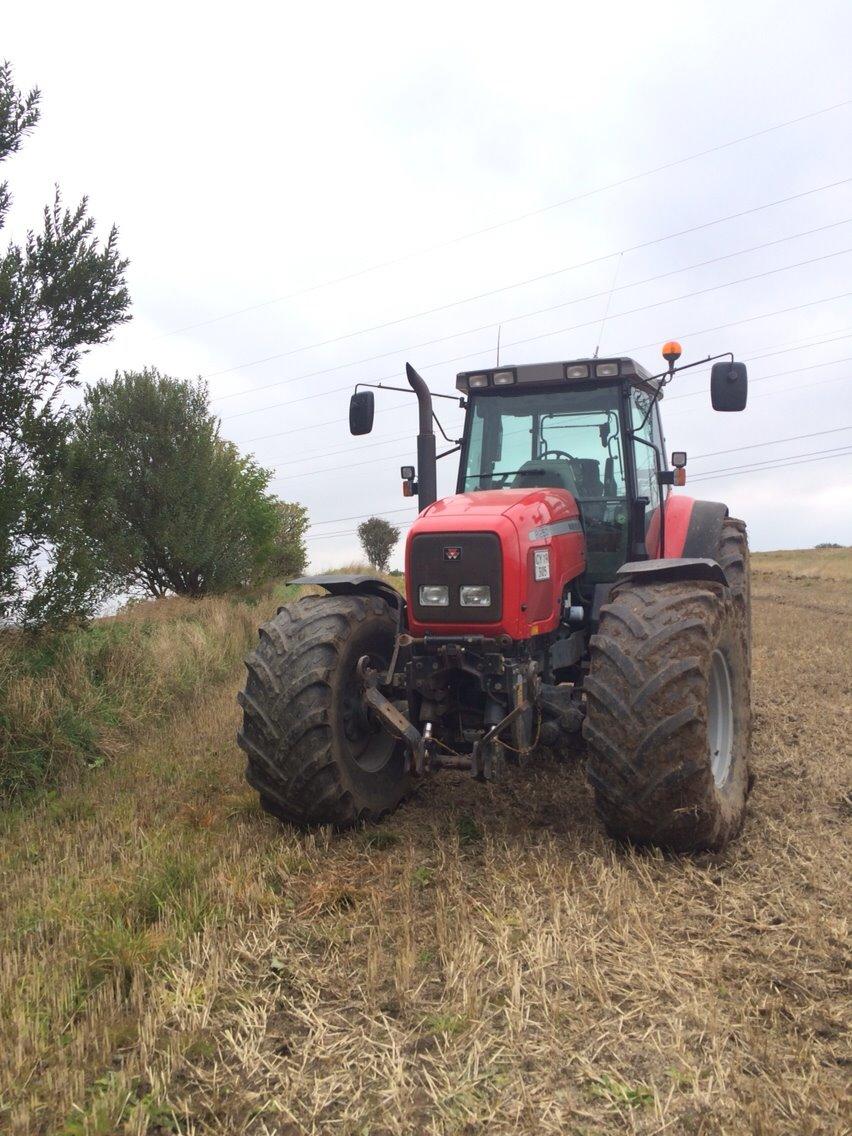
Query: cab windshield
point(561, 439)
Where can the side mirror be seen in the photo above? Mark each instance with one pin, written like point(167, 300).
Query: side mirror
point(729, 386)
point(362, 407)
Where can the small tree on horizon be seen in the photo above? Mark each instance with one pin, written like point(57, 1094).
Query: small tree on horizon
point(378, 537)
point(290, 557)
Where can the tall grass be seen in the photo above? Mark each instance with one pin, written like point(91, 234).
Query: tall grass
point(76, 698)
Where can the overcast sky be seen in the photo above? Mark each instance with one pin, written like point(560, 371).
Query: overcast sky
point(270, 157)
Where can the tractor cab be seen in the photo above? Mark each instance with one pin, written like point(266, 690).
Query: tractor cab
point(583, 427)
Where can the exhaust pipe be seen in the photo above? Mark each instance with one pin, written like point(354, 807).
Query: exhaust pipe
point(427, 468)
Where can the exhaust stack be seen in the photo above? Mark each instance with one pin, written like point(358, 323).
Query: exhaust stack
point(427, 470)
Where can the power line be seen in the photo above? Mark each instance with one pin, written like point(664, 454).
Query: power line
point(351, 532)
point(674, 398)
point(546, 334)
point(432, 366)
point(359, 516)
point(513, 220)
point(697, 457)
point(735, 471)
point(774, 393)
point(766, 467)
point(798, 346)
point(774, 442)
point(488, 326)
point(519, 284)
point(777, 375)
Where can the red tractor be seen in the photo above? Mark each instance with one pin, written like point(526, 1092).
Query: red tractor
point(562, 590)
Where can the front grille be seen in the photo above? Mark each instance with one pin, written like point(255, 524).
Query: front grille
point(479, 562)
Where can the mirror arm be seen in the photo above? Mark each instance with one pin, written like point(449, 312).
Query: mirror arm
point(447, 438)
point(447, 453)
point(408, 390)
point(667, 374)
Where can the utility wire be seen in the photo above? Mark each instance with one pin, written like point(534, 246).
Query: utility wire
point(541, 335)
point(763, 378)
point(765, 467)
point(490, 325)
point(456, 426)
point(585, 195)
point(626, 351)
point(734, 471)
point(774, 442)
point(697, 457)
point(674, 398)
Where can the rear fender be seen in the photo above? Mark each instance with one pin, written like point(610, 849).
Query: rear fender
point(355, 586)
point(692, 528)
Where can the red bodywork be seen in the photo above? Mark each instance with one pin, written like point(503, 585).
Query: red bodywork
point(678, 514)
point(522, 520)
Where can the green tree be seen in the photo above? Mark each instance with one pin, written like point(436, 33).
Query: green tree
point(60, 292)
point(168, 505)
point(378, 538)
point(290, 556)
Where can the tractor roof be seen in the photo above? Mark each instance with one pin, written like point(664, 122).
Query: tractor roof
point(546, 374)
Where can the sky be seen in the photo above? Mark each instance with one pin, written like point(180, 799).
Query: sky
point(312, 195)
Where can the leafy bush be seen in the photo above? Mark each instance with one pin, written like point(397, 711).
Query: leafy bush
point(167, 504)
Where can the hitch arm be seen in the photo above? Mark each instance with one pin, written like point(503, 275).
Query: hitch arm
point(392, 719)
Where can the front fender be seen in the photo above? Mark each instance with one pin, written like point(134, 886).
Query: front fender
point(673, 568)
point(354, 586)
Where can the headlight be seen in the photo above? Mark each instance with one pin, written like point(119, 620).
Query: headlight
point(475, 595)
point(606, 370)
point(434, 595)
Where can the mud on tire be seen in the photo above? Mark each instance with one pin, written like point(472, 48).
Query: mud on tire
point(312, 753)
point(667, 660)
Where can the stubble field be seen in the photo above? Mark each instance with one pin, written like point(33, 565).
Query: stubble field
point(483, 962)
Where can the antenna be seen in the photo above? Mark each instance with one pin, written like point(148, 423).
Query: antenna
point(608, 302)
point(499, 329)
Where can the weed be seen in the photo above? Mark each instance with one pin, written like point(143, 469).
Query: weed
point(377, 838)
point(446, 1024)
point(468, 830)
point(618, 1093)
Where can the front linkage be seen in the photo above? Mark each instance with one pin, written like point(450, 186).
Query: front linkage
point(441, 680)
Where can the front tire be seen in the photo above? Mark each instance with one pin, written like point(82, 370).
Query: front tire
point(668, 716)
point(314, 754)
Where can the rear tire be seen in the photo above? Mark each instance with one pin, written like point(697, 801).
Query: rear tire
point(314, 754)
point(668, 717)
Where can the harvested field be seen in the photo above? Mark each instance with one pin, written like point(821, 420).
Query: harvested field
point(483, 962)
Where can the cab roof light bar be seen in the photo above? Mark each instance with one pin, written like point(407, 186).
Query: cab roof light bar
point(575, 370)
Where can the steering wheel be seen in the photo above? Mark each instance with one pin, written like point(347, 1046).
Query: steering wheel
point(557, 454)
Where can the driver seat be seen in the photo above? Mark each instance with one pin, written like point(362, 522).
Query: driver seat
point(546, 473)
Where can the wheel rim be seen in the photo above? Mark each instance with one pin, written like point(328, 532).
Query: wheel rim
point(369, 746)
point(720, 719)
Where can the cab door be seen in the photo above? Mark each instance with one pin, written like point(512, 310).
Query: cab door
point(648, 459)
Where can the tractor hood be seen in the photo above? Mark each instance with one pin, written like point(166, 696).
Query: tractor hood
point(491, 538)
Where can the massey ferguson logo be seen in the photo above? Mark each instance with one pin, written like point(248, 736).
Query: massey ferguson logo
point(453, 553)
